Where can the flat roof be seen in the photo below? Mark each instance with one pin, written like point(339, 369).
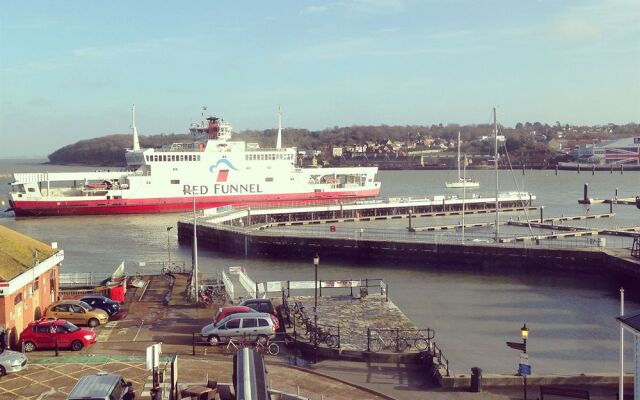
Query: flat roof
point(16, 253)
point(632, 321)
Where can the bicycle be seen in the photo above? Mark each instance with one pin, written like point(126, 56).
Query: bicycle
point(419, 342)
point(269, 347)
point(234, 345)
point(323, 336)
point(378, 343)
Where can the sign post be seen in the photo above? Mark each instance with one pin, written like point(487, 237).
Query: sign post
point(153, 361)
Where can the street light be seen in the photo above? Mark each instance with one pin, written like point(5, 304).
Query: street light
point(169, 247)
point(524, 333)
point(316, 261)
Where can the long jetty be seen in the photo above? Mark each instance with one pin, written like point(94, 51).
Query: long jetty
point(251, 232)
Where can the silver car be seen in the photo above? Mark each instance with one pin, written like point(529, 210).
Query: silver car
point(249, 327)
point(12, 361)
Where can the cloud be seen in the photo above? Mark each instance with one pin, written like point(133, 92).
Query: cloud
point(574, 29)
point(375, 6)
point(358, 7)
point(124, 48)
point(314, 10)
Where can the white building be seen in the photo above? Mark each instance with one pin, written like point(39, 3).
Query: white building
point(621, 151)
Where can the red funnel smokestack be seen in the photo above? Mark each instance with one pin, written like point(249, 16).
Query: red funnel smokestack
point(213, 127)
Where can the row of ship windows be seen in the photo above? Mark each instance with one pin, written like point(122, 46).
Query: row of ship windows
point(177, 181)
point(268, 156)
point(173, 157)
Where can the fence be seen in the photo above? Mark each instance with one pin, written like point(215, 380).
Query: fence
point(293, 288)
point(228, 285)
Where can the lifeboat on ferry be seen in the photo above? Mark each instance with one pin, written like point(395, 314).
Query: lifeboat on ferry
point(104, 185)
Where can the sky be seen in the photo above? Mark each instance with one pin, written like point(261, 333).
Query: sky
point(70, 70)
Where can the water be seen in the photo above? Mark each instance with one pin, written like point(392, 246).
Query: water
point(571, 317)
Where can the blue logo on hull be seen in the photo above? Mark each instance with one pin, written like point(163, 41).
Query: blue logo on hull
point(222, 161)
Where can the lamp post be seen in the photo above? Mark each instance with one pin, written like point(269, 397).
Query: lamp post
point(169, 248)
point(524, 333)
point(316, 261)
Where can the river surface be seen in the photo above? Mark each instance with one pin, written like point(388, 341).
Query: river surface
point(571, 317)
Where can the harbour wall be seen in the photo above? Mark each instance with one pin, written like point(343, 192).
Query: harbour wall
point(614, 264)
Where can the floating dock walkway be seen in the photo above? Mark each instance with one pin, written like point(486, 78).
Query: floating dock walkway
point(260, 233)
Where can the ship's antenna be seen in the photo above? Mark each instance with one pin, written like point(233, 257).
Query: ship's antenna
point(279, 140)
point(136, 142)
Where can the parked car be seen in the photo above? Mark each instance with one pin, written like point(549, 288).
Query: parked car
point(44, 333)
point(77, 312)
point(12, 361)
point(265, 306)
point(224, 312)
point(251, 327)
point(99, 387)
point(111, 307)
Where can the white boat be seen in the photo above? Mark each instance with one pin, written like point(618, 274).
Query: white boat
point(211, 171)
point(462, 182)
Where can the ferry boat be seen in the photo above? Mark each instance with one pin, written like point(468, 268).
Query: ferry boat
point(210, 172)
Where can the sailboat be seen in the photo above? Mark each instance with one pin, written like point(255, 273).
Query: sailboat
point(462, 182)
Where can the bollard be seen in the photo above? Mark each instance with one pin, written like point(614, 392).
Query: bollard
point(476, 379)
point(616, 193)
point(368, 339)
point(57, 348)
point(611, 207)
point(193, 344)
point(593, 169)
point(621, 169)
point(611, 168)
point(556, 169)
point(585, 194)
point(523, 166)
point(541, 214)
point(578, 168)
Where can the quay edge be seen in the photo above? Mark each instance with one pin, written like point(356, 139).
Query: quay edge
point(616, 264)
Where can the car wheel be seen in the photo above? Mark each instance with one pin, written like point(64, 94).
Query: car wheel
point(29, 347)
point(213, 340)
point(262, 339)
point(77, 345)
point(3, 371)
point(93, 322)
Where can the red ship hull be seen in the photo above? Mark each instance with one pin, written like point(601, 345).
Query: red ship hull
point(178, 204)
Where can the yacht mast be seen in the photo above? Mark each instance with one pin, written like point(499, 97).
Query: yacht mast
point(279, 140)
point(495, 159)
point(458, 156)
point(136, 141)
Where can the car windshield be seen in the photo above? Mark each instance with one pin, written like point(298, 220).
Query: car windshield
point(86, 306)
point(70, 327)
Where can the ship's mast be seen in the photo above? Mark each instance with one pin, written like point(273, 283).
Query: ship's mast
point(495, 159)
point(136, 141)
point(458, 156)
point(279, 140)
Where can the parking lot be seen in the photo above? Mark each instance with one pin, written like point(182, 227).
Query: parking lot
point(54, 380)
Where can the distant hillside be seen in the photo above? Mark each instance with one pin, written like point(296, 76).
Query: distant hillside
point(526, 140)
point(108, 150)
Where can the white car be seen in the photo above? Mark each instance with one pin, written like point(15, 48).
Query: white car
point(12, 361)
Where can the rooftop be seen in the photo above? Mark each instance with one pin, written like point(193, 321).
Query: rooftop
point(16, 253)
point(632, 321)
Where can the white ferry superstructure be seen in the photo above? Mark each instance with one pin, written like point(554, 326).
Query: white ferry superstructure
point(212, 171)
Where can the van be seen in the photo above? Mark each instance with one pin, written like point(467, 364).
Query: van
point(99, 387)
point(250, 327)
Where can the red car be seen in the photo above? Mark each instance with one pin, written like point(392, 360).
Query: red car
point(224, 312)
point(43, 334)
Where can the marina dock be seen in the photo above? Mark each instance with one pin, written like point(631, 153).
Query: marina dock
point(271, 233)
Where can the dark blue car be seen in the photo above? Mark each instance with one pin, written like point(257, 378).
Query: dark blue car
point(104, 303)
